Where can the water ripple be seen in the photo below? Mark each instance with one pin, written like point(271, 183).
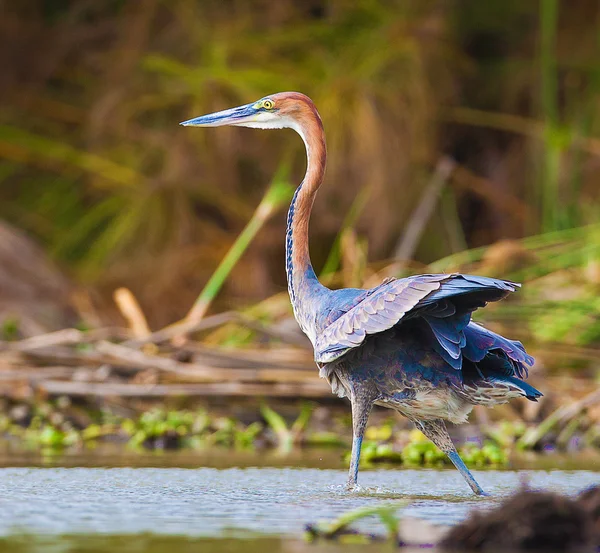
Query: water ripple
point(211, 502)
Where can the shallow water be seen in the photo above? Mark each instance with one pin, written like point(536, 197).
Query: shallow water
point(239, 501)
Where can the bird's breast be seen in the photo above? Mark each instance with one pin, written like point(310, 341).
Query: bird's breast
point(429, 403)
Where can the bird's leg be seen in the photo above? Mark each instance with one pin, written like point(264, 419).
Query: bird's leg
point(436, 431)
point(361, 408)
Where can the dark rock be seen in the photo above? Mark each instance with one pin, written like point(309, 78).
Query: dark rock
point(528, 521)
point(590, 500)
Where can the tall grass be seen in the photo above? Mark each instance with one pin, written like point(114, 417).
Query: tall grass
point(554, 135)
point(94, 164)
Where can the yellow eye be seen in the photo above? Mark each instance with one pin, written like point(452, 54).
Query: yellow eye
point(268, 104)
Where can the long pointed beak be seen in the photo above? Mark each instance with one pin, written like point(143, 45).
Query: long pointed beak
point(233, 116)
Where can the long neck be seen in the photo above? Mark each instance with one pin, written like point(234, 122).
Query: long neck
point(300, 274)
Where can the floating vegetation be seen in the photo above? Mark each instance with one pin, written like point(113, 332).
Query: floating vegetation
point(156, 429)
point(61, 425)
point(416, 450)
point(55, 426)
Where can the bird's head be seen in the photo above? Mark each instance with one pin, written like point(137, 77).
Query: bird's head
point(276, 111)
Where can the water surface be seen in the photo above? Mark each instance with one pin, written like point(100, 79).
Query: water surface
point(210, 502)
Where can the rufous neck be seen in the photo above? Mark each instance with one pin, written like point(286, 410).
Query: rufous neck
point(298, 265)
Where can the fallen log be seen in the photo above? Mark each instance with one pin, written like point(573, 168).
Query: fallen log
point(230, 389)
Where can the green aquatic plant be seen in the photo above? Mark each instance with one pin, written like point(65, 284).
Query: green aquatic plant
point(419, 451)
point(339, 528)
point(5, 423)
point(506, 433)
point(227, 432)
point(488, 454)
point(422, 453)
point(324, 439)
point(381, 433)
point(47, 436)
point(223, 432)
point(244, 438)
point(94, 432)
point(375, 452)
point(286, 436)
point(162, 429)
point(59, 425)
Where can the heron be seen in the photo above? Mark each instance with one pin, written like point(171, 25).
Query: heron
point(408, 344)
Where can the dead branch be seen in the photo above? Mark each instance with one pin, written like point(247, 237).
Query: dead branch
point(559, 417)
point(36, 373)
point(59, 387)
point(422, 213)
point(281, 358)
point(183, 328)
point(67, 336)
point(131, 310)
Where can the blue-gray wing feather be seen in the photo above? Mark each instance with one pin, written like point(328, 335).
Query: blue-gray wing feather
point(377, 311)
point(444, 301)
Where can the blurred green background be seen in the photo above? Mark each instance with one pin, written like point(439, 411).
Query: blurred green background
point(96, 170)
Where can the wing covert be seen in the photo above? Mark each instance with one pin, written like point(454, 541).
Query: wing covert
point(445, 301)
point(378, 311)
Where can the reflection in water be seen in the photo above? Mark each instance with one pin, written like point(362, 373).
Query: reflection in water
point(117, 455)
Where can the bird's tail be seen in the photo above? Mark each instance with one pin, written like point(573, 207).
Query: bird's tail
point(510, 356)
point(527, 390)
point(494, 361)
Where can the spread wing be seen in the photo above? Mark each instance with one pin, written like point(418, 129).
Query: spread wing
point(440, 299)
